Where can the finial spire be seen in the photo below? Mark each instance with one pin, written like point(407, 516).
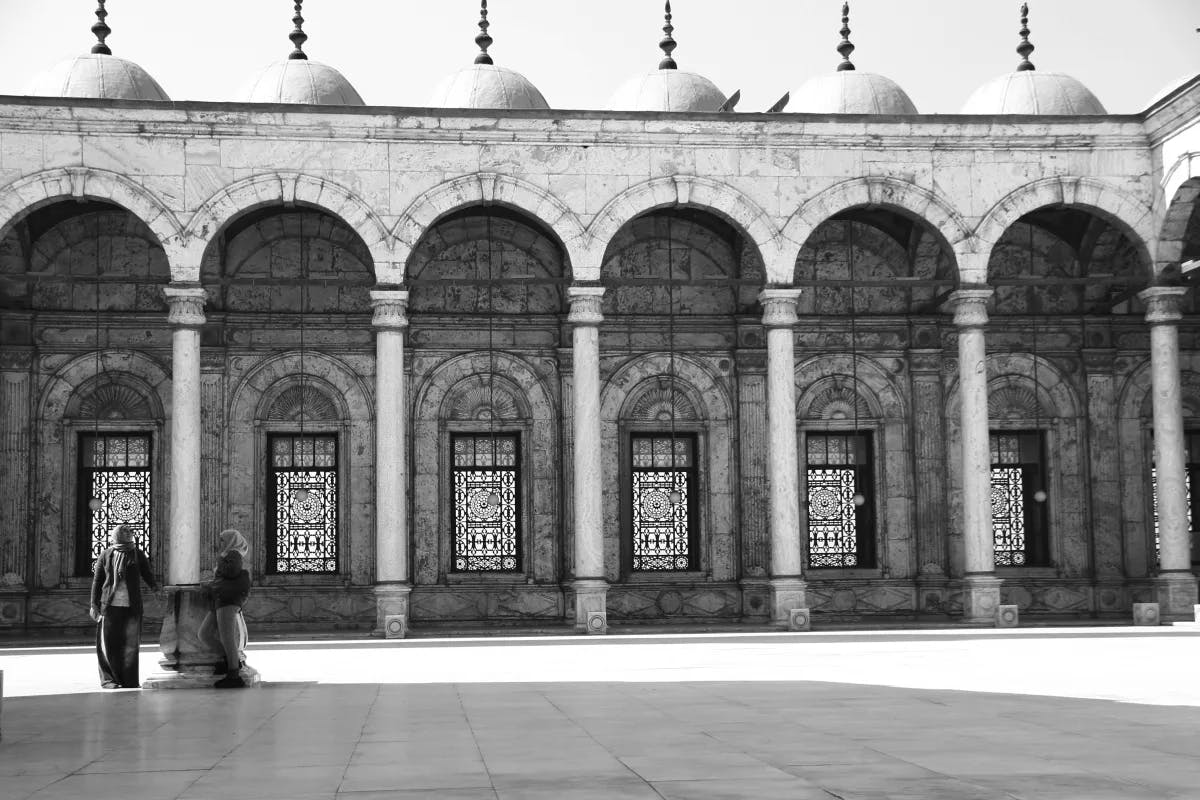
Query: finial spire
point(101, 29)
point(482, 38)
point(667, 43)
point(298, 36)
point(845, 48)
point(1025, 47)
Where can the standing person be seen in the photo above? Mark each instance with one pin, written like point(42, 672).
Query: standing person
point(224, 627)
point(117, 607)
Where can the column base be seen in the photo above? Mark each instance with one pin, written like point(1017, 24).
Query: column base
point(933, 593)
point(980, 599)
point(391, 599)
point(591, 599)
point(188, 661)
point(786, 594)
point(1176, 594)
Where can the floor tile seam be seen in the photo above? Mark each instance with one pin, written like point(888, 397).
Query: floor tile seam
point(350, 758)
point(462, 707)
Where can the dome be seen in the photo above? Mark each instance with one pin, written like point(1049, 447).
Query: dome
point(667, 90)
point(98, 75)
point(298, 80)
point(487, 86)
point(1032, 92)
point(1171, 87)
point(852, 92)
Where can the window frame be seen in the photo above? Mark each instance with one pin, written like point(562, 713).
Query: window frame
point(695, 477)
point(81, 561)
point(270, 534)
point(866, 525)
point(1036, 516)
point(518, 499)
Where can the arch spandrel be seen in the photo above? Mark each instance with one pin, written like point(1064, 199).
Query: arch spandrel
point(623, 392)
point(877, 391)
point(1116, 205)
point(282, 188)
point(934, 211)
point(31, 192)
point(683, 190)
point(147, 376)
point(488, 189)
point(256, 392)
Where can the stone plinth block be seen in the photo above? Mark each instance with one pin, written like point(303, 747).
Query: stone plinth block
point(395, 626)
point(12, 610)
point(391, 600)
point(980, 599)
point(1007, 616)
point(597, 622)
point(188, 661)
point(799, 619)
point(1176, 596)
point(786, 594)
point(1145, 614)
point(591, 597)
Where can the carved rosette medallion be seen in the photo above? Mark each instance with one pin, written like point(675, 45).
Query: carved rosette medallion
point(391, 309)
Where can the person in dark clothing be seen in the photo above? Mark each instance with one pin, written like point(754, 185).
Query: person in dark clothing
point(117, 606)
point(229, 589)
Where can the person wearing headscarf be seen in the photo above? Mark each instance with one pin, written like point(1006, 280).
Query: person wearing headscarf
point(224, 628)
point(116, 605)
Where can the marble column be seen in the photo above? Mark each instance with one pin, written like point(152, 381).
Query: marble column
point(16, 427)
point(783, 473)
point(185, 316)
point(1175, 585)
point(981, 587)
point(392, 587)
point(589, 587)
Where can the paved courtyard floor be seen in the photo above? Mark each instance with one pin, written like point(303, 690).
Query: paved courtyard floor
point(1086, 714)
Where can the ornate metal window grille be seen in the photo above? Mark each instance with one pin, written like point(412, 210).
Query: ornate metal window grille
point(1018, 520)
point(303, 524)
point(664, 526)
point(487, 533)
point(1191, 444)
point(114, 469)
point(840, 534)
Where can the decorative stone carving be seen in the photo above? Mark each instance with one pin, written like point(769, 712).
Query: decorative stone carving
point(661, 404)
point(799, 619)
point(779, 307)
point(307, 400)
point(482, 401)
point(185, 306)
point(585, 305)
point(1007, 616)
point(112, 400)
point(1145, 614)
point(391, 309)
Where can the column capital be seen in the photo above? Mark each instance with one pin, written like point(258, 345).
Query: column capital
point(970, 306)
point(779, 307)
point(185, 306)
point(391, 309)
point(1162, 303)
point(585, 305)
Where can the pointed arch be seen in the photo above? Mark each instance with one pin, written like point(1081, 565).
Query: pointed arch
point(680, 190)
point(1182, 199)
point(41, 188)
point(1116, 205)
point(926, 206)
point(276, 188)
point(486, 188)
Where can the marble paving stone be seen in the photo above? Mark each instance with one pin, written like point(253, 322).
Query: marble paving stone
point(142, 785)
point(759, 789)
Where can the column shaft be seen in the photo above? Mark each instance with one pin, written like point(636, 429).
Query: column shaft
point(186, 315)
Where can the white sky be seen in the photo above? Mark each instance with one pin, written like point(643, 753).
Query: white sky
point(578, 53)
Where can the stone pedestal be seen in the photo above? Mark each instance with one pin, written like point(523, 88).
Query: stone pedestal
point(1008, 616)
point(980, 599)
point(786, 594)
point(1146, 614)
point(391, 599)
point(12, 609)
point(187, 662)
point(1176, 596)
point(591, 599)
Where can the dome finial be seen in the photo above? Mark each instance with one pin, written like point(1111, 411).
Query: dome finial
point(298, 36)
point(101, 29)
point(482, 38)
point(1025, 47)
point(845, 48)
point(667, 44)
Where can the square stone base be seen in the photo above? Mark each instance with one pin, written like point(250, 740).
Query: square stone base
point(1176, 595)
point(786, 594)
point(591, 606)
point(980, 599)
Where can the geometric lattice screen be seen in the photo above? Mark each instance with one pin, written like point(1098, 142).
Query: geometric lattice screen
point(114, 469)
point(486, 475)
point(302, 531)
point(664, 503)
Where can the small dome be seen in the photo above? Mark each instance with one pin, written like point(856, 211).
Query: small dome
point(487, 86)
point(1171, 87)
point(298, 80)
point(1033, 92)
point(852, 92)
point(667, 90)
point(98, 75)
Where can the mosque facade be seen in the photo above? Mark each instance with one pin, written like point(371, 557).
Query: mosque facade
point(489, 363)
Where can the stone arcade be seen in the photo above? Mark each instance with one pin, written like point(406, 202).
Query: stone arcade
point(490, 364)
